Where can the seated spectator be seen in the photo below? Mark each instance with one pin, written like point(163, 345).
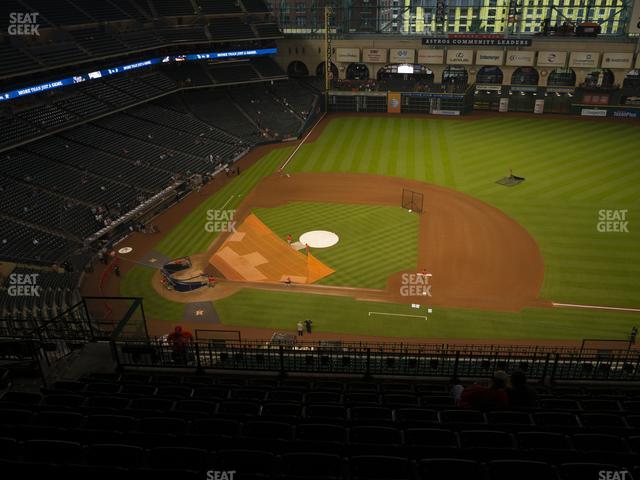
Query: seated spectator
point(487, 398)
point(456, 390)
point(520, 394)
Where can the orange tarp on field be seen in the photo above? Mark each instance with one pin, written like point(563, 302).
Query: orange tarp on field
point(255, 253)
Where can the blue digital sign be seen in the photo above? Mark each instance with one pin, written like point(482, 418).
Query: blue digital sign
point(22, 92)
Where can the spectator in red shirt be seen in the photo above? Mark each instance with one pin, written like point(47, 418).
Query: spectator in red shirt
point(486, 398)
point(180, 340)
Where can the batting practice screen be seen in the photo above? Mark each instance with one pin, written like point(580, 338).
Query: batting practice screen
point(412, 200)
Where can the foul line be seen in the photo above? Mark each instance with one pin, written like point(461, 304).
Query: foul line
point(397, 315)
point(227, 202)
point(598, 307)
point(282, 167)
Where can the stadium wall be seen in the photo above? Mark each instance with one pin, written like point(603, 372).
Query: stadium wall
point(310, 52)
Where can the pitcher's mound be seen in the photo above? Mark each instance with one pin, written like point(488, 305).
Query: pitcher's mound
point(319, 239)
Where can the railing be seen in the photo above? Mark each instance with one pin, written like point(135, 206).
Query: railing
point(437, 360)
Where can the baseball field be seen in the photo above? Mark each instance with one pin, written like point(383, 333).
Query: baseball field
point(502, 258)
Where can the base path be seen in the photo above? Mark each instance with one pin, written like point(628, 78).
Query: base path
point(478, 256)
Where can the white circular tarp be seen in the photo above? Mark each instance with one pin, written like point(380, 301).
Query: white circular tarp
point(319, 239)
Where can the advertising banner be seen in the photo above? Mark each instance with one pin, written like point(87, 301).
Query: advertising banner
point(552, 59)
point(478, 40)
point(431, 57)
point(518, 58)
point(617, 60)
point(489, 57)
point(459, 57)
point(374, 55)
point(593, 112)
point(394, 102)
point(347, 55)
point(584, 59)
point(538, 107)
point(402, 55)
point(504, 105)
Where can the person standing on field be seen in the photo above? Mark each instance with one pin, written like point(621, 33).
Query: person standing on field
point(300, 329)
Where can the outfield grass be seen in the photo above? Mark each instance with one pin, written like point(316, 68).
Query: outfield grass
point(572, 168)
point(375, 241)
point(281, 311)
point(190, 236)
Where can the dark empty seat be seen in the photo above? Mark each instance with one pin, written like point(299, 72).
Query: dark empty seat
point(323, 397)
point(396, 400)
point(317, 465)
point(361, 398)
point(238, 408)
point(437, 401)
point(195, 406)
point(281, 409)
point(486, 439)
point(267, 430)
point(151, 404)
point(631, 406)
point(593, 442)
point(520, 470)
point(318, 432)
point(175, 392)
point(334, 412)
point(556, 419)
point(14, 416)
point(285, 396)
point(416, 416)
point(63, 400)
point(215, 392)
point(560, 404)
point(68, 386)
point(59, 419)
point(436, 437)
point(542, 441)
point(375, 435)
point(184, 457)
point(379, 466)
point(604, 421)
point(116, 455)
point(442, 468)
point(119, 423)
point(362, 387)
point(9, 448)
point(396, 387)
point(509, 418)
point(103, 387)
point(52, 451)
point(600, 405)
point(173, 426)
point(135, 389)
point(215, 426)
point(22, 398)
point(248, 394)
point(461, 417)
point(106, 403)
point(371, 413)
point(248, 461)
